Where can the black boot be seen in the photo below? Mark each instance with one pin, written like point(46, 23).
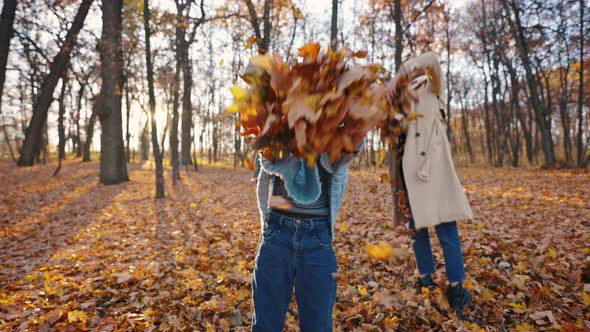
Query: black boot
point(458, 298)
point(426, 282)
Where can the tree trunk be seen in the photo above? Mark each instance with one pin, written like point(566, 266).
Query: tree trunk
point(515, 144)
point(564, 95)
point(266, 25)
point(164, 132)
point(498, 111)
point(215, 139)
point(449, 78)
point(580, 146)
point(465, 127)
point(194, 136)
point(152, 103)
point(113, 168)
point(77, 120)
point(526, 129)
point(334, 25)
point(173, 142)
point(45, 97)
point(145, 142)
point(127, 116)
point(187, 106)
point(237, 142)
point(541, 112)
point(487, 124)
point(61, 130)
point(6, 32)
point(564, 114)
point(391, 151)
point(398, 34)
point(7, 139)
point(45, 141)
point(90, 132)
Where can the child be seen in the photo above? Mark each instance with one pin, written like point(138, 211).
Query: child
point(298, 207)
point(428, 178)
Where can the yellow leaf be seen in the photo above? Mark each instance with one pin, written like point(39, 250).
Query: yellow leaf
point(518, 307)
point(468, 284)
point(77, 316)
point(31, 277)
point(488, 294)
point(413, 116)
point(343, 227)
point(379, 250)
point(180, 258)
point(362, 290)
point(233, 108)
point(263, 61)
point(221, 62)
point(552, 253)
point(524, 327)
point(242, 294)
point(240, 94)
point(193, 205)
point(210, 327)
point(381, 155)
point(59, 292)
point(391, 322)
point(586, 298)
point(474, 327)
point(310, 159)
point(5, 300)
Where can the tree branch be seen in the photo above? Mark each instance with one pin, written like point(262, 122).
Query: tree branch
point(417, 15)
point(32, 43)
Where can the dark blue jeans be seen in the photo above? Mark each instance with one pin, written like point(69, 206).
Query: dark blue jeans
point(294, 253)
point(448, 235)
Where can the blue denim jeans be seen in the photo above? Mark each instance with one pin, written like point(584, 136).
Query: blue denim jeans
point(294, 253)
point(448, 235)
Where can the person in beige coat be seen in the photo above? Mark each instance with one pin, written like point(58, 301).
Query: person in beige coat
point(435, 195)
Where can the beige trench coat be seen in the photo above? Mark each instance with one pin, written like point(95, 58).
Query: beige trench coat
point(435, 194)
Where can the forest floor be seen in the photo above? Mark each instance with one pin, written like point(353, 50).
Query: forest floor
point(76, 255)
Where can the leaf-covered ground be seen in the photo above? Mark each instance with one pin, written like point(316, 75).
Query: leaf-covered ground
point(75, 254)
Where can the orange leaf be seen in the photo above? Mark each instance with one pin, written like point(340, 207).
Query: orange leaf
point(310, 51)
point(360, 54)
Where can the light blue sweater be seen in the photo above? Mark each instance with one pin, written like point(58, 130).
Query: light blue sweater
point(303, 183)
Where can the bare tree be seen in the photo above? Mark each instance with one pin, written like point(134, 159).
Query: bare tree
point(541, 111)
point(152, 103)
point(90, 132)
point(59, 64)
point(61, 130)
point(6, 32)
point(262, 36)
point(583, 161)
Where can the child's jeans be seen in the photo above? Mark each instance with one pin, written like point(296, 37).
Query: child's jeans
point(448, 235)
point(294, 253)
